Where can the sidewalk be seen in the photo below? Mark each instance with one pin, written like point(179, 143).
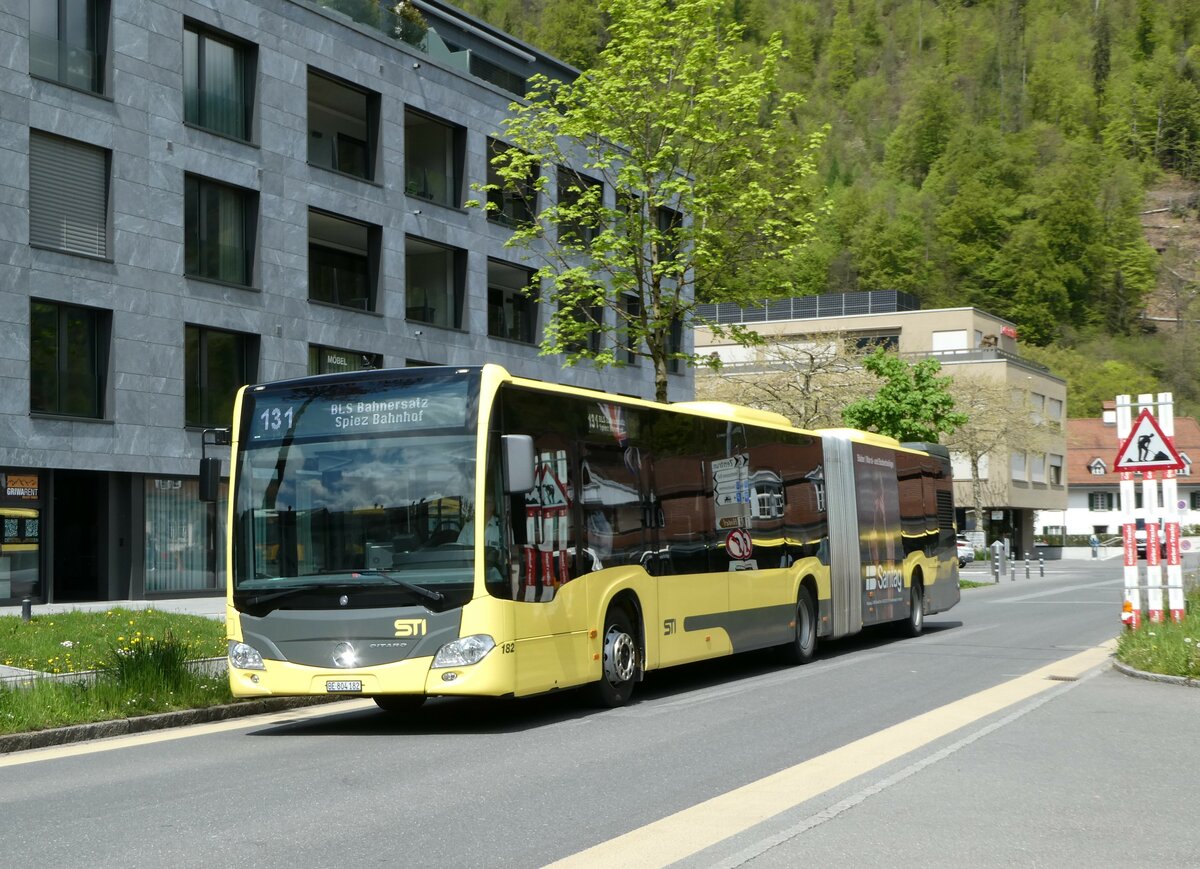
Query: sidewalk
point(213, 607)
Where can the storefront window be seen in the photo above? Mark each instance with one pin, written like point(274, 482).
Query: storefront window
point(185, 550)
point(20, 536)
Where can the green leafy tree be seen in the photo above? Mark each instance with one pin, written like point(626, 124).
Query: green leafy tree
point(570, 31)
point(912, 403)
point(926, 125)
point(1093, 375)
point(842, 48)
point(688, 131)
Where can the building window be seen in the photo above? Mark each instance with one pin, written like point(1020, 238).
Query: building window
point(218, 82)
point(184, 544)
point(216, 364)
point(1186, 470)
point(1037, 468)
point(509, 207)
point(434, 278)
point(1194, 498)
point(433, 159)
point(591, 320)
point(68, 40)
point(629, 313)
point(1056, 466)
point(675, 345)
point(1037, 407)
point(218, 230)
point(343, 257)
point(331, 360)
point(343, 126)
point(1098, 468)
point(68, 195)
point(670, 225)
point(67, 359)
point(497, 75)
point(20, 535)
point(511, 312)
point(585, 197)
point(1054, 409)
point(1017, 465)
point(1100, 502)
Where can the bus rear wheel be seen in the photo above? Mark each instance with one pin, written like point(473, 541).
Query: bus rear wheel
point(619, 661)
point(915, 623)
point(803, 647)
point(399, 703)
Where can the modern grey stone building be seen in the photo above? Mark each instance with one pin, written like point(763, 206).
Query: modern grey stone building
point(203, 193)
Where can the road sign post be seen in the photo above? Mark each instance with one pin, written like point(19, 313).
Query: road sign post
point(1149, 448)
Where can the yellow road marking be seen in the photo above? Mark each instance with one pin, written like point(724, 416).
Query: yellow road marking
point(691, 830)
point(111, 744)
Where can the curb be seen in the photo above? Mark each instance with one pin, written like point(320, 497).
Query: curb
point(13, 742)
point(1155, 677)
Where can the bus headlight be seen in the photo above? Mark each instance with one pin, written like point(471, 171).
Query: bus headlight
point(464, 651)
point(243, 657)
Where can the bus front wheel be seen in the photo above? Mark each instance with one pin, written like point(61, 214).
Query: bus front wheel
point(619, 661)
point(803, 647)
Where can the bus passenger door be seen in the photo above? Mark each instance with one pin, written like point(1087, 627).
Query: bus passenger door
point(761, 591)
point(618, 515)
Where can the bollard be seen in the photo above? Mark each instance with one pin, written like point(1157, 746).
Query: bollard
point(1042, 565)
point(26, 609)
point(1012, 571)
point(995, 570)
point(1027, 565)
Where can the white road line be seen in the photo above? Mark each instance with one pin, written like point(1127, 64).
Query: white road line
point(77, 749)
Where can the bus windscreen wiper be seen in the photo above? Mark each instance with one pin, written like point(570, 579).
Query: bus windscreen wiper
point(403, 583)
point(260, 599)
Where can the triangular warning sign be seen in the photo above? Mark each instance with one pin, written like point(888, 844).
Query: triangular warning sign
point(1147, 448)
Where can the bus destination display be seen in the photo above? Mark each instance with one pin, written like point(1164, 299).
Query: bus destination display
point(386, 407)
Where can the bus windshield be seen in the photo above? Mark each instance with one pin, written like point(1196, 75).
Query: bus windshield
point(357, 512)
point(352, 493)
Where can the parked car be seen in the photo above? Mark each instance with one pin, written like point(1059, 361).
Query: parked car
point(1139, 537)
point(966, 551)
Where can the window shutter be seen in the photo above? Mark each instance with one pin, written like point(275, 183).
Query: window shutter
point(68, 195)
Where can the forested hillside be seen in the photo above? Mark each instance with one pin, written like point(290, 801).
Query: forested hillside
point(996, 153)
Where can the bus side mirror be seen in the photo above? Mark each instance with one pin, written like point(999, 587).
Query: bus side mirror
point(517, 462)
point(210, 478)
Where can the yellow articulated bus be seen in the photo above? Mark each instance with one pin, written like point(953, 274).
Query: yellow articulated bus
point(402, 534)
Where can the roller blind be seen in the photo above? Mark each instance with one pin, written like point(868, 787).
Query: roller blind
point(68, 195)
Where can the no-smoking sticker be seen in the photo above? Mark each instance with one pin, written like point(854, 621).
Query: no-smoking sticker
point(738, 544)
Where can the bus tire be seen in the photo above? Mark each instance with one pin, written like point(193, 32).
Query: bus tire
point(915, 623)
point(619, 660)
point(399, 703)
point(803, 647)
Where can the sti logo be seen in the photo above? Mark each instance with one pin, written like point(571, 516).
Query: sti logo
point(410, 627)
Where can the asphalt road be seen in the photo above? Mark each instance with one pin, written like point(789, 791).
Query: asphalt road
point(1001, 737)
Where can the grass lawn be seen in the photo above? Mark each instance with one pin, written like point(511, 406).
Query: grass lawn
point(139, 655)
point(1167, 648)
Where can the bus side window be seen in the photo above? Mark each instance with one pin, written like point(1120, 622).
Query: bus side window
point(613, 506)
point(547, 554)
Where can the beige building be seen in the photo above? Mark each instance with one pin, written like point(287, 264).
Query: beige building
point(1014, 480)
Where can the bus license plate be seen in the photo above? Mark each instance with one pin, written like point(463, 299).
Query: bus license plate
point(343, 687)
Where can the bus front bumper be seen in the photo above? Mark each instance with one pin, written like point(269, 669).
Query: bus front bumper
point(493, 676)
